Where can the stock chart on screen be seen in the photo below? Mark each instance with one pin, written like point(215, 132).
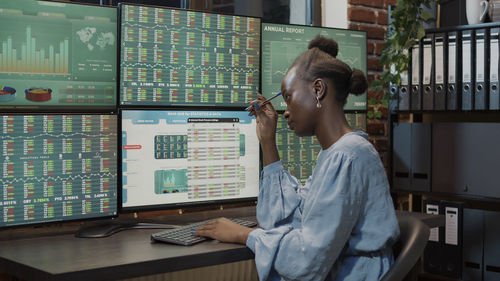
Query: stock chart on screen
point(57, 167)
point(299, 154)
point(57, 55)
point(282, 44)
point(178, 57)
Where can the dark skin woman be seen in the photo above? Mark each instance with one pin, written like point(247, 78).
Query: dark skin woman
point(333, 222)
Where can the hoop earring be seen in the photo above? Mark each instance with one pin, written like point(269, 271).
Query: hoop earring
point(318, 105)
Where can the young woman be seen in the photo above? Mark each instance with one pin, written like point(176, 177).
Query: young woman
point(341, 224)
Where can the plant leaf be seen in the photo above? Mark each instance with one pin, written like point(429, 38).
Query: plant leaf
point(425, 15)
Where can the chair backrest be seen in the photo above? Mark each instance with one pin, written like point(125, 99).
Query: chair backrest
point(413, 237)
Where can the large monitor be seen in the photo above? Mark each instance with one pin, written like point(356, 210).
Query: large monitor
point(57, 168)
point(299, 154)
point(282, 44)
point(57, 55)
point(179, 57)
point(177, 158)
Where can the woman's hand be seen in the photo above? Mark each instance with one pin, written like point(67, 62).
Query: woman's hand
point(224, 230)
point(266, 119)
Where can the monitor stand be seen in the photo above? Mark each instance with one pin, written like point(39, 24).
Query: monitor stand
point(105, 228)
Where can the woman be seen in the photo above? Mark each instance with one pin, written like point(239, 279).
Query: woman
point(341, 224)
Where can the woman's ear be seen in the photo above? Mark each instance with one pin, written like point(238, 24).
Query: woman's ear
point(319, 87)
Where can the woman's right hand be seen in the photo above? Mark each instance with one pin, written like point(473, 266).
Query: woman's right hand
point(267, 118)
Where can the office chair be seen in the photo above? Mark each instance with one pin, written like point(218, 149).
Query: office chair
point(413, 237)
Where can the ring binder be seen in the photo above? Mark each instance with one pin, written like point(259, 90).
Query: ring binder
point(404, 93)
point(468, 48)
point(480, 77)
point(438, 70)
point(416, 77)
point(452, 71)
point(494, 102)
point(428, 58)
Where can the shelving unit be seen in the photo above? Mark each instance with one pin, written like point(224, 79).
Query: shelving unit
point(444, 133)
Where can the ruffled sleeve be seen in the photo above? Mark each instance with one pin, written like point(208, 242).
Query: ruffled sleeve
point(278, 196)
point(329, 214)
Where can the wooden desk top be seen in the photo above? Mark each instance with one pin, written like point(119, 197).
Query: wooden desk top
point(126, 254)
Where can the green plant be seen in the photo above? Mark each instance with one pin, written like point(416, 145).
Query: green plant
point(374, 108)
point(405, 30)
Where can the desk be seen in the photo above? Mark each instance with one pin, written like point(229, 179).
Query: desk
point(125, 254)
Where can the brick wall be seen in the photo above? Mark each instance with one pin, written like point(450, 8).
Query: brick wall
point(371, 16)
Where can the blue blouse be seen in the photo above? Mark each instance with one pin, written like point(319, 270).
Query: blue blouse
point(339, 226)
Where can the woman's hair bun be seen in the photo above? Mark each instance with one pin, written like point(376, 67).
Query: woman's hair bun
point(326, 45)
point(357, 82)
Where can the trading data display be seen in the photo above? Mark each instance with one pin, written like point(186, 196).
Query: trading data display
point(299, 154)
point(282, 44)
point(183, 157)
point(178, 57)
point(57, 55)
point(57, 168)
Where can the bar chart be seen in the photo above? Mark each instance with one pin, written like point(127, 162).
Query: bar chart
point(31, 56)
point(57, 56)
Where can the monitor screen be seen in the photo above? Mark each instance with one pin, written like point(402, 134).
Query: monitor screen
point(299, 154)
point(57, 55)
point(185, 157)
point(179, 57)
point(57, 168)
point(282, 44)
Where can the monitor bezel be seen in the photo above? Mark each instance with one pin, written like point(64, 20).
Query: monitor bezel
point(119, 80)
point(71, 109)
point(85, 219)
point(181, 205)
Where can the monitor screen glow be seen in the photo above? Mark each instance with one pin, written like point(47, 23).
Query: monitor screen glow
point(179, 57)
point(173, 158)
point(57, 168)
point(57, 56)
point(283, 43)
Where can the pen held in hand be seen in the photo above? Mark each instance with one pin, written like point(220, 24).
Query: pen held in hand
point(264, 102)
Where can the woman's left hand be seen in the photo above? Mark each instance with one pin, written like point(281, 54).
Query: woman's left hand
point(224, 230)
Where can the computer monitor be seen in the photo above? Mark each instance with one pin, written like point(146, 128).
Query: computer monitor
point(174, 159)
point(179, 57)
point(299, 154)
point(283, 43)
point(57, 168)
point(57, 56)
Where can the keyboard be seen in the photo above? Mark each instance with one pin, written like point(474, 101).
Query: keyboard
point(182, 235)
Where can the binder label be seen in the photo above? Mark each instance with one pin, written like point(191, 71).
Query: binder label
point(427, 64)
point(404, 78)
point(439, 63)
point(494, 60)
point(466, 62)
point(452, 46)
point(433, 210)
point(415, 69)
point(480, 60)
point(451, 227)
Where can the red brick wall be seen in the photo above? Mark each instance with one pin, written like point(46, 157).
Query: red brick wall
point(371, 16)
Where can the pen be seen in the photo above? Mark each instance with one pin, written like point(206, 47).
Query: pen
point(266, 101)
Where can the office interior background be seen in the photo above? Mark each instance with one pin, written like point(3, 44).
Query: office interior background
point(475, 255)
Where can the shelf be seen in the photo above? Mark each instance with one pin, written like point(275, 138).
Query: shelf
point(470, 201)
point(463, 27)
point(448, 116)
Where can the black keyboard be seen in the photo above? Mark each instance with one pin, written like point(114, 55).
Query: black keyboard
point(182, 235)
